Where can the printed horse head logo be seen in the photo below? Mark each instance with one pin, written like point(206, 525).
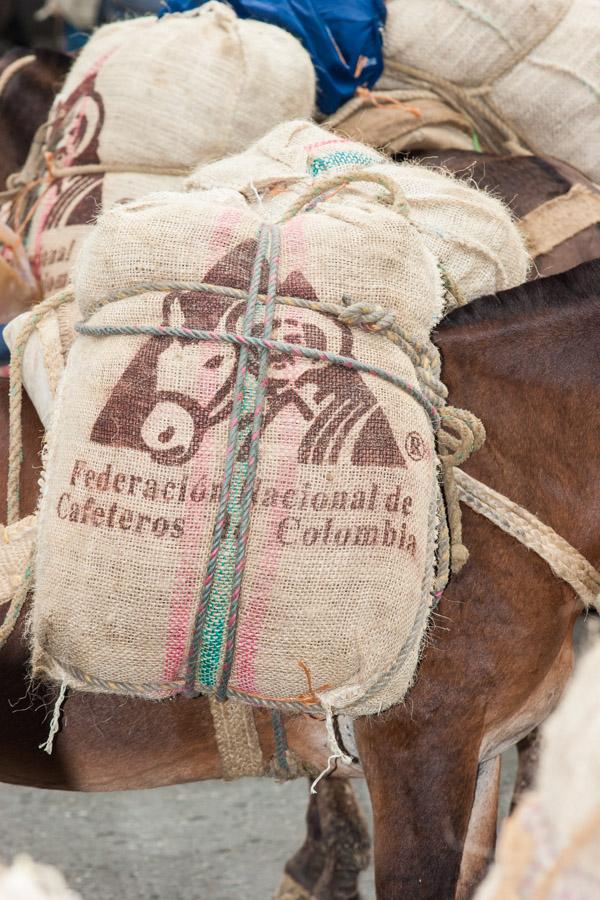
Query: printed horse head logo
point(175, 390)
point(74, 133)
point(73, 139)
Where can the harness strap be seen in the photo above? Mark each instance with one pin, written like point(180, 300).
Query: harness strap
point(237, 739)
point(559, 219)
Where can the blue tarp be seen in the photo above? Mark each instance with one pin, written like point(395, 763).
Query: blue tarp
point(343, 37)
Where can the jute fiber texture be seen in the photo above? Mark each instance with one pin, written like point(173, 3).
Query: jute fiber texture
point(241, 493)
point(44, 354)
point(534, 64)
point(471, 234)
point(401, 121)
point(146, 100)
point(549, 848)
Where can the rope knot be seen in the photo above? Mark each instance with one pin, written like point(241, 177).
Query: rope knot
point(460, 434)
point(372, 318)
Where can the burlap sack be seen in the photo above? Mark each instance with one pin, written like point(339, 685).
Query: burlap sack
point(550, 846)
point(335, 590)
point(44, 354)
point(471, 233)
point(145, 101)
point(534, 65)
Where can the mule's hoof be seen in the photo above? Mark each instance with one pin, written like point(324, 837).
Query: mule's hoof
point(289, 889)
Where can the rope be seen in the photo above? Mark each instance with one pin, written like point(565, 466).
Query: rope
point(55, 171)
point(468, 99)
point(319, 186)
point(565, 561)
point(13, 68)
point(373, 318)
point(461, 434)
point(281, 765)
point(234, 423)
point(247, 340)
point(486, 119)
point(15, 442)
point(246, 501)
point(48, 744)
point(17, 602)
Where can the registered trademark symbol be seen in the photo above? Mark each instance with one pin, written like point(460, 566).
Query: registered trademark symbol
point(414, 445)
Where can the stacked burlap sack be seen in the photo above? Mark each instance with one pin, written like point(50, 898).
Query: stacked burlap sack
point(527, 74)
point(242, 493)
point(550, 847)
point(470, 233)
point(145, 101)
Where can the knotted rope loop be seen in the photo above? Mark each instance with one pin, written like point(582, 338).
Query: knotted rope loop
point(461, 433)
point(319, 190)
point(371, 318)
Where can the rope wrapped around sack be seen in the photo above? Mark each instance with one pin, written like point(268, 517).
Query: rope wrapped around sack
point(461, 433)
point(474, 101)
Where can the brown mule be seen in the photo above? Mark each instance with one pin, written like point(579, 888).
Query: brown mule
point(320, 867)
point(499, 650)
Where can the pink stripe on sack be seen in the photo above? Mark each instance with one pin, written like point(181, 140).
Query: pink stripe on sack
point(198, 517)
point(256, 590)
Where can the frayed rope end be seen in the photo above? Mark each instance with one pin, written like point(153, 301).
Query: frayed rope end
point(48, 744)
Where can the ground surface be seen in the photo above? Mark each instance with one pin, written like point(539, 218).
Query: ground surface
point(209, 841)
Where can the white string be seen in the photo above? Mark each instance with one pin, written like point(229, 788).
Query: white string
point(49, 743)
point(336, 750)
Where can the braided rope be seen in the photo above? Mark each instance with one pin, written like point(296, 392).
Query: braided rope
point(460, 435)
point(325, 183)
point(246, 340)
point(565, 561)
point(15, 451)
point(232, 440)
point(246, 500)
point(372, 318)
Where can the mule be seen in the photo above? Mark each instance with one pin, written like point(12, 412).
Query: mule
point(499, 649)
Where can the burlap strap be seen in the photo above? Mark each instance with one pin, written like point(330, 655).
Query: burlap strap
point(560, 219)
point(237, 739)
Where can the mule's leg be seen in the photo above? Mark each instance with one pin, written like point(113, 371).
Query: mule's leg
point(335, 851)
point(304, 868)
point(529, 757)
point(481, 834)
point(346, 841)
point(422, 785)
